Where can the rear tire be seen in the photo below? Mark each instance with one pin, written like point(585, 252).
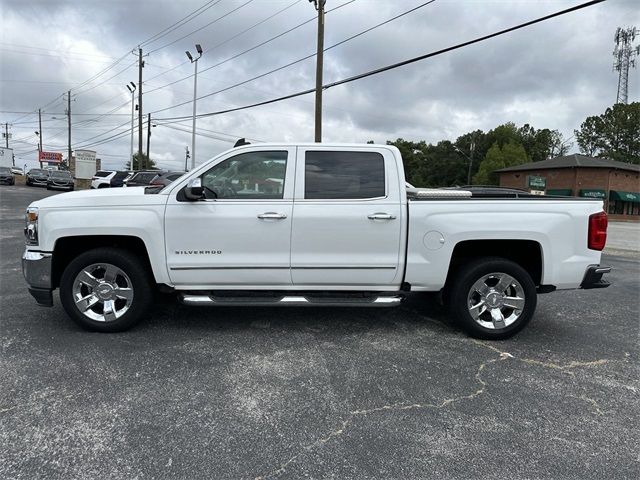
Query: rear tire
point(491, 298)
point(106, 290)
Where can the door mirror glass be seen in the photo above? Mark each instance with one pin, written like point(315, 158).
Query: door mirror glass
point(194, 190)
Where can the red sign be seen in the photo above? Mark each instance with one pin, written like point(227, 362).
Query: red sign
point(51, 157)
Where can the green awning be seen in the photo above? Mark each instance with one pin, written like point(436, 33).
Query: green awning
point(562, 192)
point(593, 193)
point(625, 196)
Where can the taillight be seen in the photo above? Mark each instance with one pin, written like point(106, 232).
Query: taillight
point(597, 237)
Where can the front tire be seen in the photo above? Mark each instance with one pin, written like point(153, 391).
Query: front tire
point(491, 298)
point(106, 290)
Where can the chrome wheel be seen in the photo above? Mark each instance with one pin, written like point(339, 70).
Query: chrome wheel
point(102, 292)
point(496, 300)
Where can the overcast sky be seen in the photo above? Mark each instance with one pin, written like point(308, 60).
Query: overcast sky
point(550, 75)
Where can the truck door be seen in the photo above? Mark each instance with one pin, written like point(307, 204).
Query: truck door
point(240, 235)
point(347, 219)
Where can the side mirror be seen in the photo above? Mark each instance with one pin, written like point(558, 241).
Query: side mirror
point(194, 190)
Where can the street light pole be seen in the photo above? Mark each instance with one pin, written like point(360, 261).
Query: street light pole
point(132, 88)
point(470, 158)
point(195, 91)
point(319, 4)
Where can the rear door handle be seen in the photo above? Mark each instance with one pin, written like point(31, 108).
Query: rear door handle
point(381, 216)
point(272, 216)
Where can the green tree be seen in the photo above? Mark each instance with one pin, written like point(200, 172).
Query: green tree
point(614, 134)
point(145, 164)
point(512, 153)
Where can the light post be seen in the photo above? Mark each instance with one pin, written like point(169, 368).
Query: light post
point(195, 90)
point(39, 148)
point(469, 158)
point(132, 88)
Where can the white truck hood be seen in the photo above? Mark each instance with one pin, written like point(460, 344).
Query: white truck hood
point(103, 197)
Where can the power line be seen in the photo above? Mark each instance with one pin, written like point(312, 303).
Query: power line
point(398, 64)
point(203, 27)
point(282, 67)
point(184, 20)
point(250, 49)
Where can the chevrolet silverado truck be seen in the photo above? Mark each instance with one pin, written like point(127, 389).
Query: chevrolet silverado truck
point(310, 225)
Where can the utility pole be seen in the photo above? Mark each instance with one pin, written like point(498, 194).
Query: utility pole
point(319, 4)
point(473, 147)
point(40, 137)
point(195, 90)
point(140, 66)
point(623, 55)
point(148, 140)
point(6, 139)
point(132, 89)
point(69, 125)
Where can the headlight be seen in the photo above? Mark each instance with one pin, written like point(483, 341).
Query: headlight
point(31, 226)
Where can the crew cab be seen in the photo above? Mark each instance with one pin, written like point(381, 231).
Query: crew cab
point(310, 225)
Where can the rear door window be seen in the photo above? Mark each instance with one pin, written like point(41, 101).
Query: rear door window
point(344, 175)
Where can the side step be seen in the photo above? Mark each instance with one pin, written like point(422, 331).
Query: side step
point(291, 301)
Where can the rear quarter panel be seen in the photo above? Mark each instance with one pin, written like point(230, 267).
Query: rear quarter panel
point(559, 227)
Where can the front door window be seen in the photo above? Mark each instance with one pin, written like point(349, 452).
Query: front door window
point(247, 176)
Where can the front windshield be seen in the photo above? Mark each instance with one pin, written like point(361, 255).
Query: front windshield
point(4, 170)
point(37, 171)
point(60, 174)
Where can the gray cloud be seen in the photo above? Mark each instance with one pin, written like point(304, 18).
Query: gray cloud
point(550, 75)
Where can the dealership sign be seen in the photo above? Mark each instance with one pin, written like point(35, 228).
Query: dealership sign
point(85, 163)
point(50, 157)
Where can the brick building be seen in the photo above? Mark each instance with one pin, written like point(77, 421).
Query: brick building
point(617, 183)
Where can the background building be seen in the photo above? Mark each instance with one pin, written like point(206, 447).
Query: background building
point(617, 183)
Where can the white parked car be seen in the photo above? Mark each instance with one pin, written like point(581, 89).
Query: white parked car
point(102, 178)
point(310, 224)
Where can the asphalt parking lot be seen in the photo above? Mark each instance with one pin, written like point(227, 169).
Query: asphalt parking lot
point(321, 393)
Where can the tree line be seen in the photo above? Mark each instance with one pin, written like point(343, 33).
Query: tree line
point(615, 134)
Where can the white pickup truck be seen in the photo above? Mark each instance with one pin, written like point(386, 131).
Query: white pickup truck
point(315, 225)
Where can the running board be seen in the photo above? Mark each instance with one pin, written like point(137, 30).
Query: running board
point(291, 301)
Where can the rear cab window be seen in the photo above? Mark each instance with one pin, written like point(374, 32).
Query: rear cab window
point(343, 175)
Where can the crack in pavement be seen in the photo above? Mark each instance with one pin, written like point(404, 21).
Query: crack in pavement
point(393, 407)
point(503, 355)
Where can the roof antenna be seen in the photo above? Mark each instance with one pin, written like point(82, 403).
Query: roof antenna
point(241, 142)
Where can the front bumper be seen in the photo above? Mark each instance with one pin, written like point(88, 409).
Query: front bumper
point(593, 277)
point(62, 186)
point(36, 268)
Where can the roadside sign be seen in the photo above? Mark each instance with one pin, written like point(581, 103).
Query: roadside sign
point(6, 157)
point(50, 157)
point(85, 163)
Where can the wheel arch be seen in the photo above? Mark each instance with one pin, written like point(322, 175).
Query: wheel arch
point(67, 248)
point(526, 253)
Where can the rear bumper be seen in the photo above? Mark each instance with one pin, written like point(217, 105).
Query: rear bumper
point(36, 268)
point(593, 277)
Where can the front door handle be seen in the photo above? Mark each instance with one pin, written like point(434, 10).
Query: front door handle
point(272, 216)
point(381, 216)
